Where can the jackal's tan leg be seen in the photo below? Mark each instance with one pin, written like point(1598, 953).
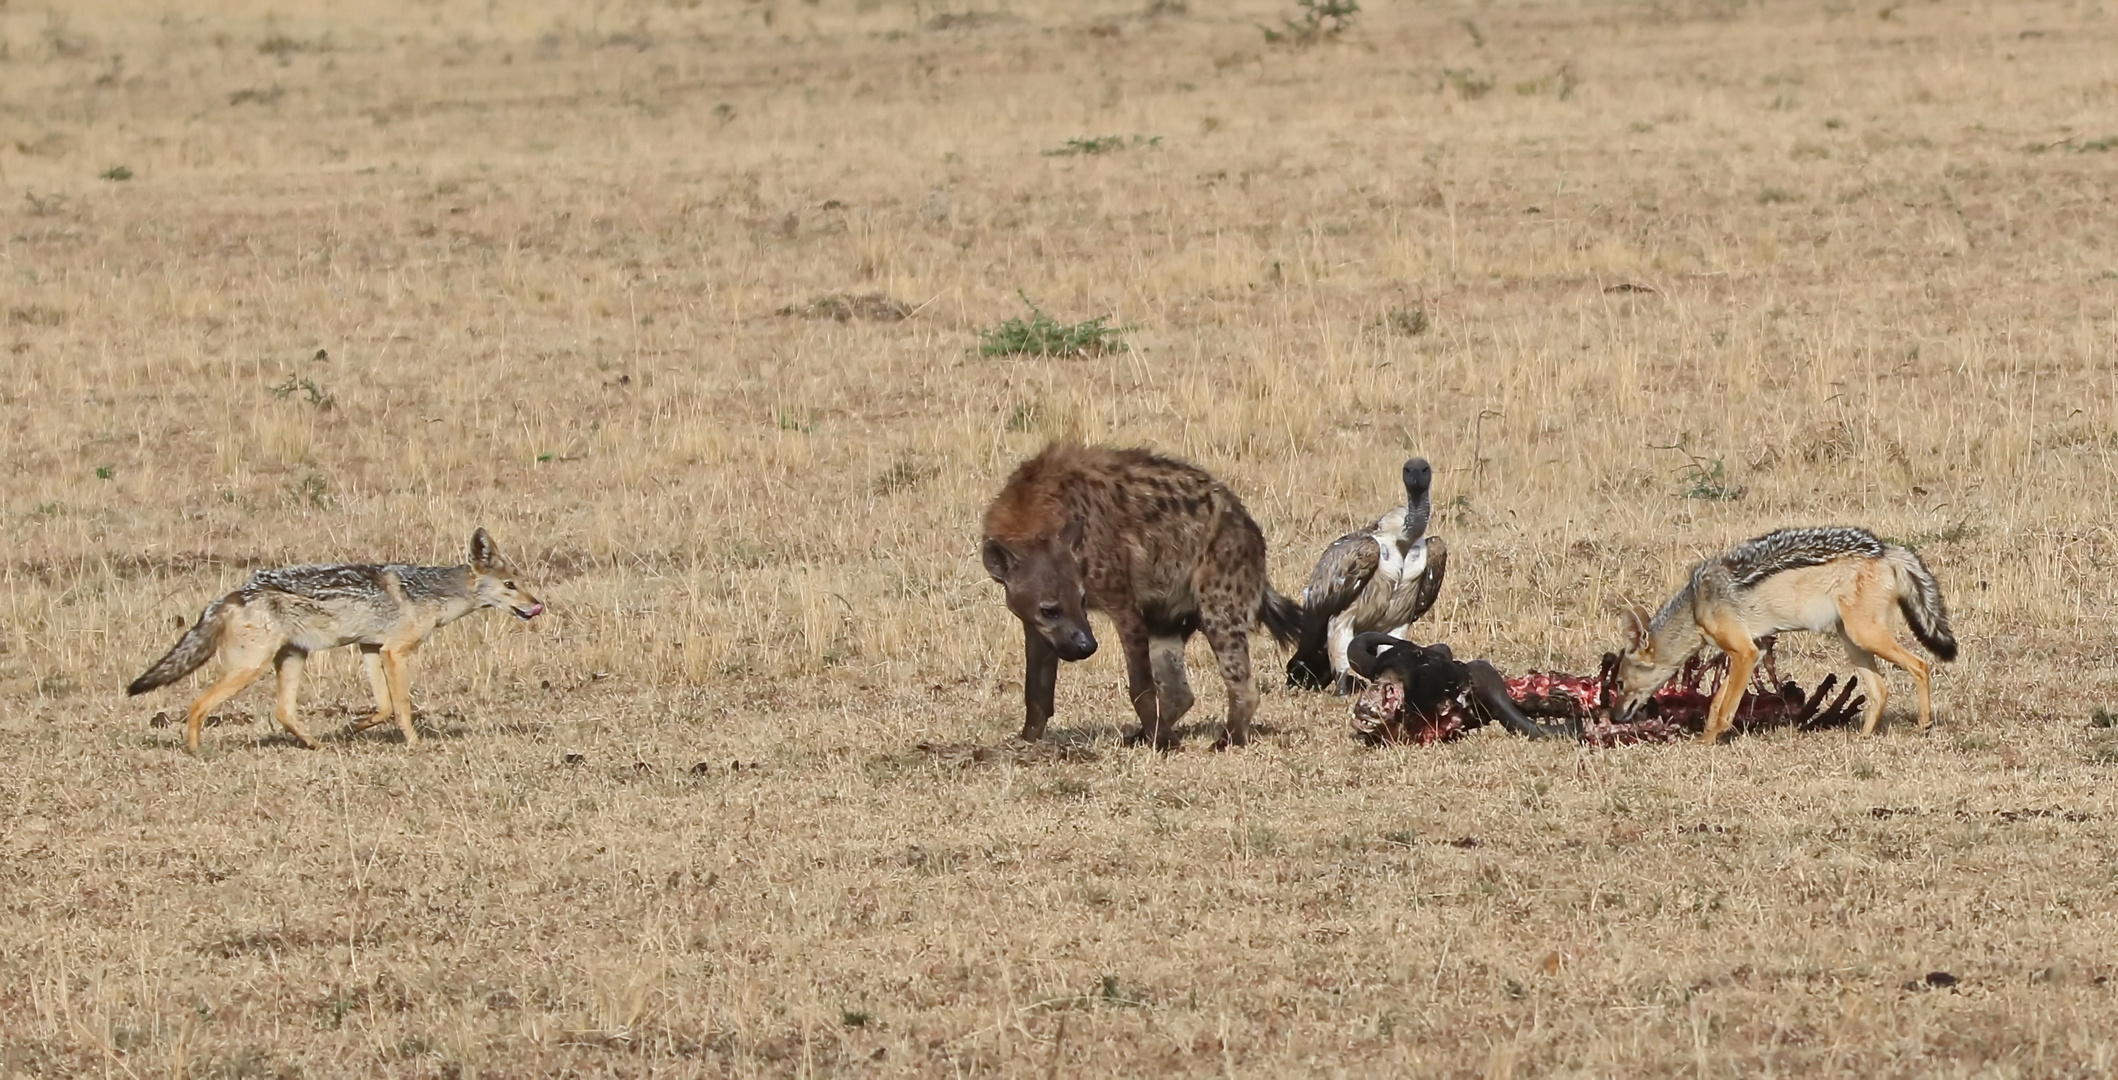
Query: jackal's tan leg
point(290, 681)
point(400, 692)
point(1872, 636)
point(1742, 660)
point(1877, 690)
point(378, 683)
point(230, 684)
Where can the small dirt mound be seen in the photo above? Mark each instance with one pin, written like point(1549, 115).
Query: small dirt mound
point(1016, 752)
point(845, 307)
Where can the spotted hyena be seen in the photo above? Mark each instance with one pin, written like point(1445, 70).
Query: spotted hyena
point(1155, 543)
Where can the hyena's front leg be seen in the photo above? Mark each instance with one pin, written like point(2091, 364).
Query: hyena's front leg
point(1040, 680)
point(1232, 648)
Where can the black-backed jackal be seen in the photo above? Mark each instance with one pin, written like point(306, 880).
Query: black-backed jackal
point(281, 616)
point(1840, 579)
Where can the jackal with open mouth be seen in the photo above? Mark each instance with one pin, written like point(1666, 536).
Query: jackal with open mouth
point(280, 616)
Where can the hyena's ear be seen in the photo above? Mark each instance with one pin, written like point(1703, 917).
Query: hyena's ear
point(998, 560)
point(483, 551)
point(1072, 535)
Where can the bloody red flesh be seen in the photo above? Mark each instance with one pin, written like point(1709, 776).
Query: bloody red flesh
point(1586, 703)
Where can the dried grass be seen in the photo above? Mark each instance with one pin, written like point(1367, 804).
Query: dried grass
point(542, 249)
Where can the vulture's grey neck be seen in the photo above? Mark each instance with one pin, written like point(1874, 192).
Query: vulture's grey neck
point(1419, 509)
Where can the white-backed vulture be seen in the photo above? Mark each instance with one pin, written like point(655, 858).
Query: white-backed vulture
point(1378, 579)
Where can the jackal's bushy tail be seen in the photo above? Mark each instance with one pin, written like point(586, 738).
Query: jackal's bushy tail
point(1919, 597)
point(1281, 616)
point(189, 653)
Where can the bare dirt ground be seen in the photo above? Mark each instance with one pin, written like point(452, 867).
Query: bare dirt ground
point(682, 300)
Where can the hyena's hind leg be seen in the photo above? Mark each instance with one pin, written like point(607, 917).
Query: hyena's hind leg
point(1165, 656)
point(1230, 586)
point(1231, 646)
point(291, 661)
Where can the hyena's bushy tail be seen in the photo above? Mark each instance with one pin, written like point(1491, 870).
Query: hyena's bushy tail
point(189, 653)
point(1281, 616)
point(1310, 666)
point(1919, 597)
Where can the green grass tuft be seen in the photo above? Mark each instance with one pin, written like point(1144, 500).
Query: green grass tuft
point(1318, 20)
point(1709, 480)
point(1042, 335)
point(1103, 144)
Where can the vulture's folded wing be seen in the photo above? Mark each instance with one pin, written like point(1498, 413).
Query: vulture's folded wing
point(1430, 580)
point(1341, 574)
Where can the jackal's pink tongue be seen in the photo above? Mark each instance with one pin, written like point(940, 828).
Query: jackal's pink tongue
point(534, 611)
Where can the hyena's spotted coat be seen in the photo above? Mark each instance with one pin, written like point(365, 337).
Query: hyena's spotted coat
point(1158, 545)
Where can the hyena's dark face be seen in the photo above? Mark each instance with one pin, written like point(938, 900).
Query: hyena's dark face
point(1044, 589)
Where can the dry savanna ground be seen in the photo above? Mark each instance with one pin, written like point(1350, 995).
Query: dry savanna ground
point(682, 300)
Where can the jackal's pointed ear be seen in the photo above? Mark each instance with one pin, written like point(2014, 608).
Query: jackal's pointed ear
point(1072, 535)
point(483, 551)
point(998, 560)
point(1634, 619)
